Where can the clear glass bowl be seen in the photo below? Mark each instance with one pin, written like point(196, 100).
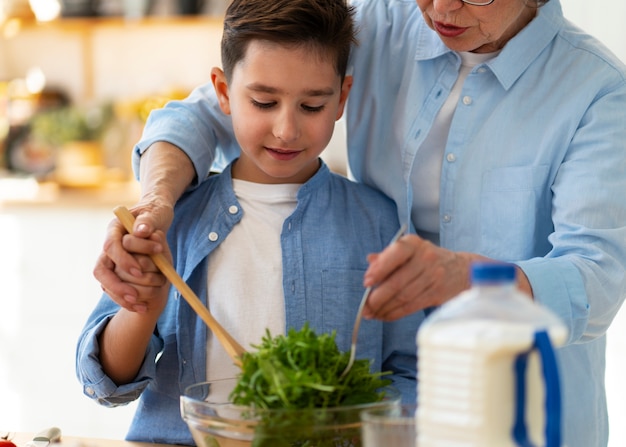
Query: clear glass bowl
point(215, 422)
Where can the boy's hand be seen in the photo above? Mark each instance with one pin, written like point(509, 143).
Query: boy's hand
point(150, 287)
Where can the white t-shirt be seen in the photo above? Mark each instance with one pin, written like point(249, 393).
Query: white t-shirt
point(245, 273)
point(426, 175)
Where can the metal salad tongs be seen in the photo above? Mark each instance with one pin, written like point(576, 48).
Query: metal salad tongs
point(359, 314)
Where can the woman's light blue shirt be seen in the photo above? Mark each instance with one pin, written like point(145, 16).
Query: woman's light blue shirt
point(325, 243)
point(534, 170)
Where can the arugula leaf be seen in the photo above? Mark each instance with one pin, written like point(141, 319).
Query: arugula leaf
point(301, 370)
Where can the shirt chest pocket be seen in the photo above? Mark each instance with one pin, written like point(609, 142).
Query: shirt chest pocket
point(515, 210)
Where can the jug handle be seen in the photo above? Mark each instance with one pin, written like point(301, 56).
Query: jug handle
point(553, 393)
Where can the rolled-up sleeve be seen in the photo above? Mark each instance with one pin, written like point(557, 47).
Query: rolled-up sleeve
point(96, 384)
point(583, 277)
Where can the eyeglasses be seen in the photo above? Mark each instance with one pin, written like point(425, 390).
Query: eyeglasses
point(479, 3)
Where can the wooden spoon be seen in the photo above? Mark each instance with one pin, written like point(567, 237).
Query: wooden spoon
point(234, 349)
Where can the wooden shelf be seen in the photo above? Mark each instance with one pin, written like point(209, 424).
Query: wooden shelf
point(85, 30)
point(89, 23)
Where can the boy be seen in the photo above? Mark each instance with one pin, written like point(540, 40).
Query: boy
point(274, 241)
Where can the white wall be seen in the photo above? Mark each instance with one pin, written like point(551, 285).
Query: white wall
point(602, 18)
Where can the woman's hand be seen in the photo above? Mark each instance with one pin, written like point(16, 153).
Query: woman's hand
point(414, 274)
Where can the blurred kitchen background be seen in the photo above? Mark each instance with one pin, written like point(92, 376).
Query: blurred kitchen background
point(77, 81)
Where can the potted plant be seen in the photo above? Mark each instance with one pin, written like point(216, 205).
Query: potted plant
point(74, 134)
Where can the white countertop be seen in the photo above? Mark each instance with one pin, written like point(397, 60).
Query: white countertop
point(22, 192)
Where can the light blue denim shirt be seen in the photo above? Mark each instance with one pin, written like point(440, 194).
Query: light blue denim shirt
point(534, 171)
point(325, 242)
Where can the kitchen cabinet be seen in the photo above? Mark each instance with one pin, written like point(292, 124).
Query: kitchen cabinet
point(48, 247)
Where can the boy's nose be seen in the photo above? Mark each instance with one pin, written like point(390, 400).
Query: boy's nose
point(286, 127)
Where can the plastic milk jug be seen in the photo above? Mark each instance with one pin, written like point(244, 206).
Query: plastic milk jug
point(487, 372)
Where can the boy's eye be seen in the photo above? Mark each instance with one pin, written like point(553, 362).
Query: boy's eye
point(312, 108)
point(262, 105)
point(270, 104)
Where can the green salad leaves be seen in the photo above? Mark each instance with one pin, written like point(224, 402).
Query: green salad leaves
point(298, 372)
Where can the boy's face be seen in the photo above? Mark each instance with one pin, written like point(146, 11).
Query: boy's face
point(284, 102)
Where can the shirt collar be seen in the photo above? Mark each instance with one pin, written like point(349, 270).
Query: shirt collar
point(517, 54)
point(319, 178)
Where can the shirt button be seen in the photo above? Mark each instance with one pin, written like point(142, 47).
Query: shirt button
point(482, 70)
point(467, 100)
point(90, 391)
point(233, 209)
point(447, 218)
point(451, 158)
point(213, 236)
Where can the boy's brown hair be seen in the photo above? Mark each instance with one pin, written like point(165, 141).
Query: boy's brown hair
point(325, 26)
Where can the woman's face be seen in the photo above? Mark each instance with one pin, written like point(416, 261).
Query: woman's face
point(479, 29)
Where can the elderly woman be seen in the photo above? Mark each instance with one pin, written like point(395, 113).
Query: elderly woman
point(499, 129)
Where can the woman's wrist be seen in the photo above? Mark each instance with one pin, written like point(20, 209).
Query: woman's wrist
point(165, 173)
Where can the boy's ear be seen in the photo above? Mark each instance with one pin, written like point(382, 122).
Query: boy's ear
point(218, 78)
point(343, 97)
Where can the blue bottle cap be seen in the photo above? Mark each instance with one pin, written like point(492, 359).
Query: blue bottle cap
point(492, 272)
